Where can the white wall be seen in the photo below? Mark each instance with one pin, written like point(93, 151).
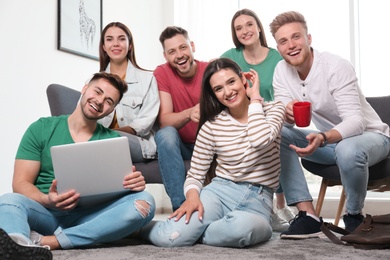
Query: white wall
point(30, 61)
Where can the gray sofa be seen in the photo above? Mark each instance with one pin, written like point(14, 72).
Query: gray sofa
point(63, 100)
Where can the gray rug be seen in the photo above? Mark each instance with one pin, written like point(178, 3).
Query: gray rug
point(275, 248)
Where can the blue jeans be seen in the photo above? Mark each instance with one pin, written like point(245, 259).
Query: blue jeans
point(352, 155)
point(235, 215)
point(171, 155)
point(78, 227)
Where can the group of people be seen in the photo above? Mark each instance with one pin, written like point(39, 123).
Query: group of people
point(232, 117)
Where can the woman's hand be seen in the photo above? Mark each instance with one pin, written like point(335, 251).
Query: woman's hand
point(254, 91)
point(191, 204)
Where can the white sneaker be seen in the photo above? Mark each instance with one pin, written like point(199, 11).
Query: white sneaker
point(36, 238)
point(20, 240)
point(285, 213)
point(278, 224)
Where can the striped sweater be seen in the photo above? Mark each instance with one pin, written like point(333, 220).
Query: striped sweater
point(245, 152)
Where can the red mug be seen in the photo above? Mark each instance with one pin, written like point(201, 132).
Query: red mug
point(302, 113)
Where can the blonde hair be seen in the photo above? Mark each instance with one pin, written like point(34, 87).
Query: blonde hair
point(286, 18)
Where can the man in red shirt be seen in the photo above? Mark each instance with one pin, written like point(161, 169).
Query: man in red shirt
point(179, 83)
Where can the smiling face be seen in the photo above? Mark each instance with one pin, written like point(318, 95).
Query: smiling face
point(293, 43)
point(228, 88)
point(179, 53)
point(99, 99)
point(246, 29)
point(116, 44)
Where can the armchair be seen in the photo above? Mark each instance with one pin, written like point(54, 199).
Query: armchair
point(379, 174)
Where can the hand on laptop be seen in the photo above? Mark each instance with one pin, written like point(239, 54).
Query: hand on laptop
point(134, 181)
point(65, 201)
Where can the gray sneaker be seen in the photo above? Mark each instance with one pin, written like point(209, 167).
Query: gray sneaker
point(36, 238)
point(16, 247)
point(278, 224)
point(285, 213)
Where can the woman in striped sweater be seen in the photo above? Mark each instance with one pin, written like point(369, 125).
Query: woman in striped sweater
point(243, 132)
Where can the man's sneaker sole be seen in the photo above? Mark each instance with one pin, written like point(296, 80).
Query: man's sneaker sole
point(9, 250)
point(303, 236)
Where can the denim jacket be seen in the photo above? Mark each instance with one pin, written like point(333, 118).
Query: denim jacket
point(138, 108)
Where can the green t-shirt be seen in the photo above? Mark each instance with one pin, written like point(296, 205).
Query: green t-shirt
point(265, 69)
point(45, 133)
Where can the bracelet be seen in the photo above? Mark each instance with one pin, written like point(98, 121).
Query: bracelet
point(259, 99)
point(325, 142)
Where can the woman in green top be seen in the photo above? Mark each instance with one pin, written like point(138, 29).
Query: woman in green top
point(252, 52)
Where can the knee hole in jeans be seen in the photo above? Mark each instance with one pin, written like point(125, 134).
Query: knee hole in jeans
point(143, 207)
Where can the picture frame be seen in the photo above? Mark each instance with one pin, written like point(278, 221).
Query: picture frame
point(79, 27)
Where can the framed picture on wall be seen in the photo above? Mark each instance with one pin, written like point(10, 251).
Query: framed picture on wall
point(79, 27)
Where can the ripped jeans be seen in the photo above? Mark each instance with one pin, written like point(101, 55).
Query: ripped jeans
point(80, 226)
point(235, 215)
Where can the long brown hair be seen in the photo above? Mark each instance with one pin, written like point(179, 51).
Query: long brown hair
point(237, 43)
point(104, 59)
point(209, 105)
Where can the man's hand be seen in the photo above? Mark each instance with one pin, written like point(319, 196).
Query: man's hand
point(134, 181)
point(314, 142)
point(191, 204)
point(290, 113)
point(65, 201)
point(195, 113)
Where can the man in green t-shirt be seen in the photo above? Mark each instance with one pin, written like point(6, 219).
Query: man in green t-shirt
point(35, 219)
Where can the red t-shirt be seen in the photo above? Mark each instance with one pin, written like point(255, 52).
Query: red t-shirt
point(184, 93)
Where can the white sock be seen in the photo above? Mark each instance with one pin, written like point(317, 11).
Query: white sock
point(313, 216)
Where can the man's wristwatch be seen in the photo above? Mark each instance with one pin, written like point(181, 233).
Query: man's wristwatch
point(325, 142)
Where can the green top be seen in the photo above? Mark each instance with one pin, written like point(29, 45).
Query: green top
point(45, 133)
point(265, 69)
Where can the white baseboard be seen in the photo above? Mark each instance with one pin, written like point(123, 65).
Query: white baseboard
point(372, 206)
point(163, 203)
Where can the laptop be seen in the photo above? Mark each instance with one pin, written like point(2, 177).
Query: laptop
point(95, 169)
